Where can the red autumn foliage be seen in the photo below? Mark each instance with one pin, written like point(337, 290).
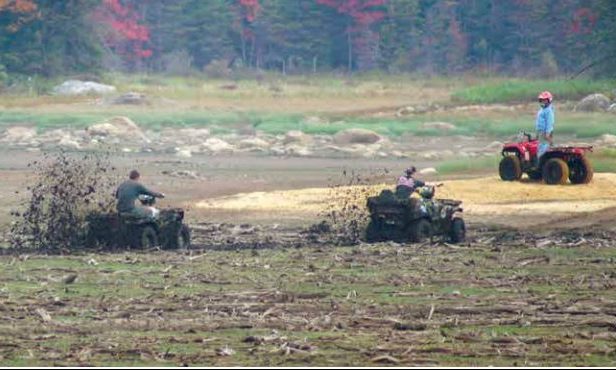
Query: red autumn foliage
point(362, 11)
point(249, 9)
point(127, 37)
point(584, 20)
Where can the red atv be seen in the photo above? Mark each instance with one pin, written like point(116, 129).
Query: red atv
point(556, 166)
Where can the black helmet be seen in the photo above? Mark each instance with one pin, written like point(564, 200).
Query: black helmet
point(411, 170)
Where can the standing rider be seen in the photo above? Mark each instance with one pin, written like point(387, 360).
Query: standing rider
point(545, 123)
point(129, 191)
point(407, 184)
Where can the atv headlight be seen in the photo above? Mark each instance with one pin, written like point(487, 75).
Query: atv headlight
point(444, 212)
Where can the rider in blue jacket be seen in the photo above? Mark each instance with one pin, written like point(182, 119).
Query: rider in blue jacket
point(545, 123)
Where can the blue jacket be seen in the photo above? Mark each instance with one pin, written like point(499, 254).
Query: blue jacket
point(545, 120)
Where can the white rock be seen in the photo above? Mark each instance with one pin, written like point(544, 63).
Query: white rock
point(428, 171)
point(254, 142)
point(298, 150)
point(297, 137)
point(608, 139)
point(443, 126)
point(217, 145)
point(593, 103)
point(76, 87)
point(69, 143)
point(612, 108)
point(494, 145)
point(356, 136)
point(18, 134)
point(118, 127)
point(184, 153)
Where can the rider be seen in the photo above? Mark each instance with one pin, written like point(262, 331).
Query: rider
point(545, 123)
point(129, 191)
point(407, 184)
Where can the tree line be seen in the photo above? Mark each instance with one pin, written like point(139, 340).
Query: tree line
point(515, 37)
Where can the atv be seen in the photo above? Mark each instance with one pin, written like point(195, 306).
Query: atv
point(555, 167)
point(165, 228)
point(397, 216)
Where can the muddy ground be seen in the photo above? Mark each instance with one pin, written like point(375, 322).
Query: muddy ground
point(534, 284)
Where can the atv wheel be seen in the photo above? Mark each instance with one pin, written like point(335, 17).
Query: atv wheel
point(373, 232)
point(555, 172)
point(580, 170)
point(183, 238)
point(147, 238)
point(421, 230)
point(458, 230)
point(509, 168)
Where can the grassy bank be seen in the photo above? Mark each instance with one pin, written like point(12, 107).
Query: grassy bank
point(498, 125)
point(524, 90)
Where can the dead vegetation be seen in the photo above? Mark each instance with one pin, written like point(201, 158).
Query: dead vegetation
point(494, 301)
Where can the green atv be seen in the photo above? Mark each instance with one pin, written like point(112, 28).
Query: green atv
point(397, 216)
point(165, 228)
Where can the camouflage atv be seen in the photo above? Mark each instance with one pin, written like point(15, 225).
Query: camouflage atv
point(165, 229)
point(399, 217)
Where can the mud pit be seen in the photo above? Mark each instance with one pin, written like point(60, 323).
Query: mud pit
point(487, 201)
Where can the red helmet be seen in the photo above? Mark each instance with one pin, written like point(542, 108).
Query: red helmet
point(546, 95)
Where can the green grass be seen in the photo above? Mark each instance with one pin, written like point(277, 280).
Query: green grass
point(524, 90)
point(468, 165)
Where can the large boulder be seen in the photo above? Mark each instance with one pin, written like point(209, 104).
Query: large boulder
point(253, 143)
point(298, 137)
point(441, 126)
point(119, 127)
point(593, 103)
point(216, 145)
point(76, 87)
point(18, 134)
point(131, 98)
point(356, 136)
point(608, 140)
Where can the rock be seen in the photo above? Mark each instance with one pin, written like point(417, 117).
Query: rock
point(405, 111)
point(76, 87)
point(296, 137)
point(69, 143)
point(131, 98)
point(253, 142)
point(314, 120)
point(216, 145)
point(608, 139)
point(18, 134)
point(121, 127)
point(356, 136)
point(183, 153)
point(593, 103)
point(494, 146)
point(428, 171)
point(298, 150)
point(443, 126)
point(182, 174)
point(612, 108)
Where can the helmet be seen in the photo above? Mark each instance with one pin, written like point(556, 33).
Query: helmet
point(411, 170)
point(546, 95)
point(427, 192)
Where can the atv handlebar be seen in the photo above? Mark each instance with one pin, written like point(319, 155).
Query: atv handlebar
point(529, 137)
